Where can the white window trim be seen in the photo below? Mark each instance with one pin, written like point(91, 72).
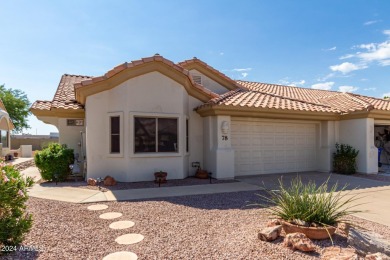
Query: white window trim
point(180, 133)
point(121, 136)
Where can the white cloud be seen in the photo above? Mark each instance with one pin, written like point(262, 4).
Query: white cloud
point(347, 67)
point(286, 82)
point(221, 53)
point(323, 86)
point(370, 22)
point(385, 62)
point(331, 49)
point(347, 88)
point(244, 74)
point(347, 56)
point(386, 32)
point(330, 75)
point(369, 89)
point(240, 70)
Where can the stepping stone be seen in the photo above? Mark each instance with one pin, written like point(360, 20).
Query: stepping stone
point(110, 215)
point(129, 239)
point(122, 255)
point(122, 224)
point(97, 207)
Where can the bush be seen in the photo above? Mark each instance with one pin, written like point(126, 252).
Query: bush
point(14, 222)
point(344, 159)
point(54, 160)
point(309, 203)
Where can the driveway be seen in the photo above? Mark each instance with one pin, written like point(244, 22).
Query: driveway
point(373, 195)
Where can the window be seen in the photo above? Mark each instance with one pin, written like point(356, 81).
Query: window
point(114, 134)
point(155, 135)
point(197, 79)
point(75, 122)
point(4, 138)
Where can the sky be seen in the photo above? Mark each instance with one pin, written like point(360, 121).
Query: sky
point(330, 44)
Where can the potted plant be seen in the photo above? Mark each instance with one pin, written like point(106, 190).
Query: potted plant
point(16, 154)
point(308, 208)
point(201, 174)
point(160, 177)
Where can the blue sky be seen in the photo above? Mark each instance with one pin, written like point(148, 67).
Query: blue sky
point(337, 45)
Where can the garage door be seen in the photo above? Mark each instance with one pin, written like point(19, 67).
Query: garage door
point(267, 147)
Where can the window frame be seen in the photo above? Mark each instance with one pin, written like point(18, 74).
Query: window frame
point(109, 134)
point(178, 117)
point(7, 138)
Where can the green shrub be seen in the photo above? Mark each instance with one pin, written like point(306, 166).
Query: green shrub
point(14, 221)
point(344, 159)
point(309, 203)
point(54, 160)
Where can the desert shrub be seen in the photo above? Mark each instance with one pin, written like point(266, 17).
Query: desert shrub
point(54, 160)
point(344, 159)
point(321, 205)
point(14, 221)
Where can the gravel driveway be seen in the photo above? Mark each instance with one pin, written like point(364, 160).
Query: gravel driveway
point(216, 226)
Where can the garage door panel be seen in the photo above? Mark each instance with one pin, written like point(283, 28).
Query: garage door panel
point(264, 147)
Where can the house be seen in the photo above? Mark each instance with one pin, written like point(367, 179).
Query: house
point(6, 126)
point(153, 114)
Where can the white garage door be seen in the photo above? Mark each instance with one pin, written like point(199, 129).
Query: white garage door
point(268, 147)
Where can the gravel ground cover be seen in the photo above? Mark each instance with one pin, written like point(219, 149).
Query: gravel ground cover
point(216, 226)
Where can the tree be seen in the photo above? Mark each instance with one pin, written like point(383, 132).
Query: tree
point(17, 105)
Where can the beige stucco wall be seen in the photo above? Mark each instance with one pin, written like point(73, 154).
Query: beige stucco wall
point(359, 133)
point(209, 83)
point(152, 94)
point(328, 133)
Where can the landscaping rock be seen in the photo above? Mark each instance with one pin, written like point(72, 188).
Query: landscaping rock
point(270, 233)
point(299, 241)
point(343, 227)
point(338, 253)
point(377, 256)
point(91, 182)
point(109, 181)
point(367, 242)
point(273, 222)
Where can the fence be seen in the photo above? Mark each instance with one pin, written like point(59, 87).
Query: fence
point(37, 143)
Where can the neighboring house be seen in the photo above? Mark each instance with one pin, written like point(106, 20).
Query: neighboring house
point(6, 126)
point(152, 114)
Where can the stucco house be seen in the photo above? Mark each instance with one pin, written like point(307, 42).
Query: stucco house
point(153, 114)
point(6, 126)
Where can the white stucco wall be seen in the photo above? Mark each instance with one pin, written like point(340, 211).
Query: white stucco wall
point(359, 133)
point(153, 95)
point(209, 83)
point(217, 149)
point(328, 135)
point(70, 135)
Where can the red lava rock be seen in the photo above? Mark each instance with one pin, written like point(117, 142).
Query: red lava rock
point(299, 241)
point(377, 256)
point(91, 182)
point(109, 181)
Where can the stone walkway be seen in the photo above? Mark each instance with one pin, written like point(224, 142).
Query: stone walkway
point(125, 239)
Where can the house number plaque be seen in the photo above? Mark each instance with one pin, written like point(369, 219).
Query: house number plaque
point(225, 138)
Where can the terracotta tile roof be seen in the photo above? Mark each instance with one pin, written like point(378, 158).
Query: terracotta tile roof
point(64, 97)
point(155, 58)
point(186, 63)
point(342, 102)
point(258, 99)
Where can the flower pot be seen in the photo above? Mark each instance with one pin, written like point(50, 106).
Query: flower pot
point(16, 154)
point(202, 174)
point(160, 177)
point(310, 232)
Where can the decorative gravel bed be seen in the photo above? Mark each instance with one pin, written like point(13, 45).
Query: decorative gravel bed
point(139, 185)
point(217, 226)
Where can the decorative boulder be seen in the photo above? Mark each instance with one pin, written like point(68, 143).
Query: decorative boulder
point(109, 181)
point(270, 233)
point(273, 222)
point(367, 242)
point(299, 241)
point(338, 253)
point(91, 182)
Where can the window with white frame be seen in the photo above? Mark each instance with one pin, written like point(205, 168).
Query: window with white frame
point(155, 134)
point(4, 138)
point(115, 134)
